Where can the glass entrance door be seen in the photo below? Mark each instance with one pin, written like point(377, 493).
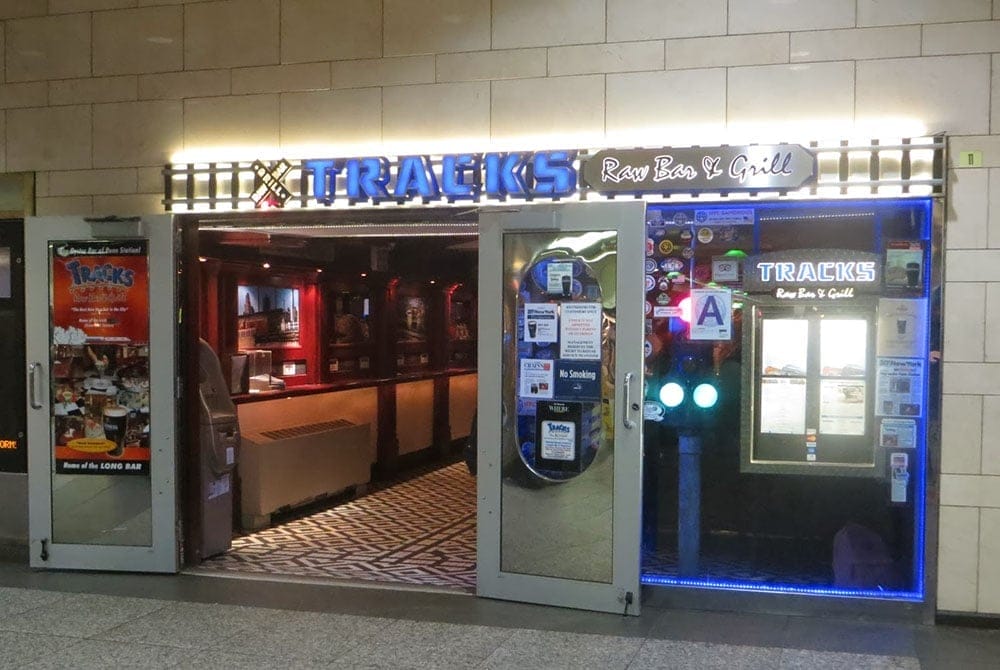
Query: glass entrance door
point(100, 312)
point(560, 398)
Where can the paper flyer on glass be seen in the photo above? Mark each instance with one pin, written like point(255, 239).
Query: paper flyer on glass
point(782, 406)
point(100, 357)
point(899, 389)
point(580, 331)
point(898, 434)
point(902, 327)
point(541, 322)
point(842, 407)
point(537, 379)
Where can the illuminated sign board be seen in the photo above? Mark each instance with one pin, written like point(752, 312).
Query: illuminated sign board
point(813, 274)
point(478, 177)
point(750, 168)
point(550, 174)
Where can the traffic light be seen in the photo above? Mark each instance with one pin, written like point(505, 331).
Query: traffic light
point(689, 390)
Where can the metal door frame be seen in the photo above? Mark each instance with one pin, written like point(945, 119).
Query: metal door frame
point(162, 554)
point(628, 218)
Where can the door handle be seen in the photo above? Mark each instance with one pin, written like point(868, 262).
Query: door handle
point(33, 368)
point(627, 404)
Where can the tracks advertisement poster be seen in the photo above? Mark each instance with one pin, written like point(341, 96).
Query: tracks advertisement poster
point(100, 357)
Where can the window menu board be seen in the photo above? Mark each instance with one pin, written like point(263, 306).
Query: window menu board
point(812, 389)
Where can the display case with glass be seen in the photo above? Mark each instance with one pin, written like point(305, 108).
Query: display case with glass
point(413, 326)
point(461, 336)
point(810, 469)
point(350, 346)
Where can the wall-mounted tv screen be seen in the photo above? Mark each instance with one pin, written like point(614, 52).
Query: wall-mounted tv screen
point(268, 317)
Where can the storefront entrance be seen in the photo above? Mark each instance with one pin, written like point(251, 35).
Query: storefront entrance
point(735, 395)
point(348, 348)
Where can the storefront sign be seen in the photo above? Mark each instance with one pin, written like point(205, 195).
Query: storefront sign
point(455, 177)
point(100, 360)
point(749, 168)
point(813, 274)
point(524, 175)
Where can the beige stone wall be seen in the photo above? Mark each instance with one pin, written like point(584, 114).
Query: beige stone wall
point(96, 95)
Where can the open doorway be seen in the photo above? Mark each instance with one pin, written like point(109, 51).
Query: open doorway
point(347, 345)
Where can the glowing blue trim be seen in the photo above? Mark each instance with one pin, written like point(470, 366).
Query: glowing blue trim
point(727, 585)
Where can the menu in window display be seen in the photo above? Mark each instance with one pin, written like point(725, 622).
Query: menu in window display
point(843, 347)
point(782, 405)
point(785, 347)
point(842, 407)
point(899, 387)
point(902, 327)
point(100, 357)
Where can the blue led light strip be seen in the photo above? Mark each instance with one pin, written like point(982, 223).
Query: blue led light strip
point(727, 585)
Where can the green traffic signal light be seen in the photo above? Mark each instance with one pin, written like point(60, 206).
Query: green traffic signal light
point(705, 395)
point(671, 394)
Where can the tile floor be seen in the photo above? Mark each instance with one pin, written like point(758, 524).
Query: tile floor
point(420, 531)
point(60, 620)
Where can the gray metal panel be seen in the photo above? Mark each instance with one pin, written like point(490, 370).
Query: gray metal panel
point(627, 218)
point(162, 554)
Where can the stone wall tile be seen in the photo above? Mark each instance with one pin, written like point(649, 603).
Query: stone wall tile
point(132, 134)
point(50, 47)
point(413, 27)
point(928, 89)
point(597, 58)
point(766, 16)
point(559, 105)
point(320, 30)
point(527, 23)
point(231, 33)
point(766, 49)
point(382, 72)
point(95, 89)
point(659, 19)
point(901, 12)
point(139, 41)
point(488, 65)
point(856, 44)
point(48, 138)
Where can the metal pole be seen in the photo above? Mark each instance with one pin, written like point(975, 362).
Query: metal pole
point(689, 504)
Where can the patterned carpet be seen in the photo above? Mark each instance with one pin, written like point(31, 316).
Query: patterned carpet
point(421, 531)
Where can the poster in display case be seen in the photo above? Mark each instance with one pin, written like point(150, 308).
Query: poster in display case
point(268, 317)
